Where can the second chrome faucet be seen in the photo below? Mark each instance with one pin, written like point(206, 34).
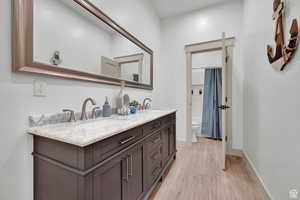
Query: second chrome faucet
point(84, 115)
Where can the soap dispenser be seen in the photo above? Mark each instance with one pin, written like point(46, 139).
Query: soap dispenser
point(107, 111)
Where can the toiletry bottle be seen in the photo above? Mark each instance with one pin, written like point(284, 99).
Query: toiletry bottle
point(120, 98)
point(107, 111)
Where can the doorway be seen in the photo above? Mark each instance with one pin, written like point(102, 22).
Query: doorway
point(212, 58)
point(206, 98)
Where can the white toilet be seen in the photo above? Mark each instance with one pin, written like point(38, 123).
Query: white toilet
point(196, 128)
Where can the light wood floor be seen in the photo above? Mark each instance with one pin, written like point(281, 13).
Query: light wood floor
point(196, 175)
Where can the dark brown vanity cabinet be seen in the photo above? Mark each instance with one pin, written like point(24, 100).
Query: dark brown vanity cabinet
point(126, 166)
point(152, 158)
point(172, 139)
point(166, 144)
point(109, 180)
point(121, 178)
point(169, 142)
point(134, 177)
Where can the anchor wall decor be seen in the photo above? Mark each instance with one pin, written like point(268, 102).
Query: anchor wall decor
point(283, 53)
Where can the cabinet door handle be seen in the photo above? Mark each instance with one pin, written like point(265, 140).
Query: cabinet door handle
point(127, 174)
point(127, 140)
point(126, 178)
point(130, 171)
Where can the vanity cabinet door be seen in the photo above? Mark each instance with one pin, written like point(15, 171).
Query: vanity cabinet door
point(165, 145)
point(110, 180)
point(135, 174)
point(169, 142)
point(172, 139)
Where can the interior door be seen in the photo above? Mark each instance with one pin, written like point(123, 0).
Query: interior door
point(224, 106)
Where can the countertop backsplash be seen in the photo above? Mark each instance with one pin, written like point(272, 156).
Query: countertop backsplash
point(47, 119)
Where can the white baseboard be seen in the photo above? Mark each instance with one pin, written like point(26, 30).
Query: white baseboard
point(264, 189)
point(181, 139)
point(235, 152)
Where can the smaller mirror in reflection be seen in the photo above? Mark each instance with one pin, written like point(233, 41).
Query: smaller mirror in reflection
point(68, 36)
point(129, 67)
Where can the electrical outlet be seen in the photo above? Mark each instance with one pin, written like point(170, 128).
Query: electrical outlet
point(39, 88)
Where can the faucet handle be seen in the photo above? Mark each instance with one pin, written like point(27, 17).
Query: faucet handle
point(72, 115)
point(145, 104)
point(148, 106)
point(94, 112)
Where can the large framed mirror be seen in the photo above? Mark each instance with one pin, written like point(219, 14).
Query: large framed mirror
point(74, 39)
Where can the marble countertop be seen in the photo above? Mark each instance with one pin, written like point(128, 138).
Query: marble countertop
point(84, 133)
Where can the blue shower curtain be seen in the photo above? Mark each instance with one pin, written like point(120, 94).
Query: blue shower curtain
point(212, 98)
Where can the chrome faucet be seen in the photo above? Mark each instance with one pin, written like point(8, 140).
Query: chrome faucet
point(72, 115)
point(94, 112)
point(83, 112)
point(145, 104)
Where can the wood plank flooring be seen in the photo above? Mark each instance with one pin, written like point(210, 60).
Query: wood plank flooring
point(196, 175)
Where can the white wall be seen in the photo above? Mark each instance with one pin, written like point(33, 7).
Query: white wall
point(197, 85)
point(203, 25)
point(17, 101)
point(272, 109)
point(197, 76)
point(197, 103)
point(207, 59)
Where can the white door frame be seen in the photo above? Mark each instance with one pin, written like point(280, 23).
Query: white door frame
point(191, 49)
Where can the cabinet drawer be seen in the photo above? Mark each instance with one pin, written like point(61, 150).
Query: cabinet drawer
point(151, 127)
point(167, 120)
point(154, 141)
point(110, 146)
point(155, 157)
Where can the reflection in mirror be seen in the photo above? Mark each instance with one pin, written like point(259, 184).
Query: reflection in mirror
point(68, 36)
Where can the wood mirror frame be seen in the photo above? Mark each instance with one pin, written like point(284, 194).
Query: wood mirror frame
point(22, 46)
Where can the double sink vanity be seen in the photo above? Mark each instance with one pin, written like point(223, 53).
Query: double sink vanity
point(116, 158)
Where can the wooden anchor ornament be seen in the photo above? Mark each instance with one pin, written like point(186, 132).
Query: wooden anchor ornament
point(283, 53)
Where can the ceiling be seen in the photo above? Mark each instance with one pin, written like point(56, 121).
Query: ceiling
point(169, 8)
